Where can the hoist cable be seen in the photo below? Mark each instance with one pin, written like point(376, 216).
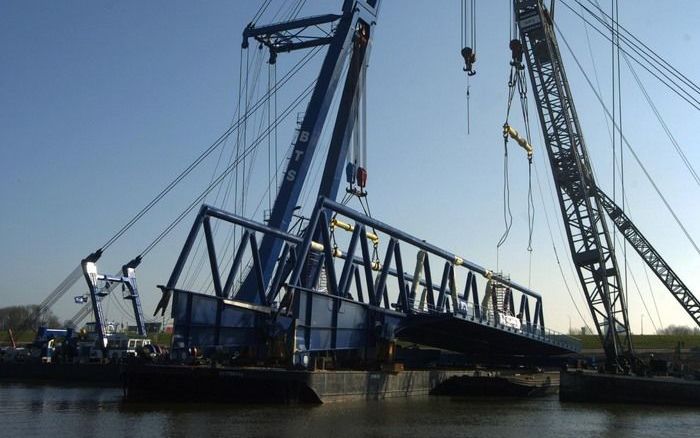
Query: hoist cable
point(522, 89)
point(556, 253)
point(651, 292)
point(61, 289)
point(668, 82)
point(639, 292)
point(363, 115)
point(280, 10)
point(261, 10)
point(226, 172)
point(296, 9)
point(622, 151)
point(245, 132)
point(468, 48)
point(607, 122)
point(473, 24)
point(629, 147)
point(233, 181)
point(662, 66)
point(641, 45)
point(595, 72)
point(678, 90)
point(663, 124)
point(507, 214)
point(463, 23)
point(231, 236)
point(186, 277)
point(205, 154)
point(274, 70)
point(530, 208)
point(269, 138)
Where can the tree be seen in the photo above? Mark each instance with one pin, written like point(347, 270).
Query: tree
point(679, 330)
point(19, 318)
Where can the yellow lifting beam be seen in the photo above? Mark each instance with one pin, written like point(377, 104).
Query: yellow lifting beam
point(348, 227)
point(509, 131)
point(318, 247)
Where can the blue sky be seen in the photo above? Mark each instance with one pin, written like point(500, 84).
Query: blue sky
point(102, 103)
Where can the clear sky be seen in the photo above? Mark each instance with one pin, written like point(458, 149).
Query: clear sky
point(104, 102)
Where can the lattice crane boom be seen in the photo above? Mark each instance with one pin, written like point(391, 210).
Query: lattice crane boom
point(652, 258)
point(589, 239)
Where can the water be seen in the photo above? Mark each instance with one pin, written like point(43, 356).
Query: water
point(27, 410)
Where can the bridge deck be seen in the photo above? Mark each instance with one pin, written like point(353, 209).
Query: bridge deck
point(482, 337)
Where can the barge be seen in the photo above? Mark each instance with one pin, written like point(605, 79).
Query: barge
point(591, 386)
point(276, 385)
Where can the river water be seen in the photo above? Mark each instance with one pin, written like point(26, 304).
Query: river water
point(28, 410)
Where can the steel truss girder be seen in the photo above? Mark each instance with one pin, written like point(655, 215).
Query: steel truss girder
point(589, 239)
point(652, 258)
point(357, 295)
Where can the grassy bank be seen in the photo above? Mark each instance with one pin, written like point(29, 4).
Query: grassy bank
point(28, 336)
point(648, 341)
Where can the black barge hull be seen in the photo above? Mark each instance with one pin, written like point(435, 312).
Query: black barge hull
point(274, 385)
point(579, 386)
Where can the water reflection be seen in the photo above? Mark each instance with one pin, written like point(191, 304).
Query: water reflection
point(64, 411)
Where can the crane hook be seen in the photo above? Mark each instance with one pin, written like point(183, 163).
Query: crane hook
point(469, 56)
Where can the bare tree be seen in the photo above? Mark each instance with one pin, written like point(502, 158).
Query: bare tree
point(19, 318)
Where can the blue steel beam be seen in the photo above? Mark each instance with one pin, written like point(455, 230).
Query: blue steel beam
point(180, 264)
point(254, 32)
point(289, 47)
point(421, 244)
point(134, 296)
point(308, 137)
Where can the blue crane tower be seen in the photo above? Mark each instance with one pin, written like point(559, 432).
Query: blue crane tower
point(351, 35)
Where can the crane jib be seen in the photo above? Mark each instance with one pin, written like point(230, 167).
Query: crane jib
point(590, 242)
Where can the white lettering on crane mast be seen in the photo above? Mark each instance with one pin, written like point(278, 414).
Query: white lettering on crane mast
point(303, 137)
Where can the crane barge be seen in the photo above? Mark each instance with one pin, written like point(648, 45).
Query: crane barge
point(319, 314)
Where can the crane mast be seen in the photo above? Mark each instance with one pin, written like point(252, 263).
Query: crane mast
point(589, 239)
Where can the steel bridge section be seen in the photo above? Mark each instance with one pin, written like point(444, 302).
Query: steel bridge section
point(589, 239)
point(652, 258)
point(365, 301)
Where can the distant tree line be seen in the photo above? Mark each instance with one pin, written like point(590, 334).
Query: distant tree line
point(673, 330)
point(679, 330)
point(19, 318)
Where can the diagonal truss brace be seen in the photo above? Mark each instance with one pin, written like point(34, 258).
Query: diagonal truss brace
point(652, 258)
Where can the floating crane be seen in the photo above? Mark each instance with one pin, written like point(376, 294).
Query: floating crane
point(314, 294)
